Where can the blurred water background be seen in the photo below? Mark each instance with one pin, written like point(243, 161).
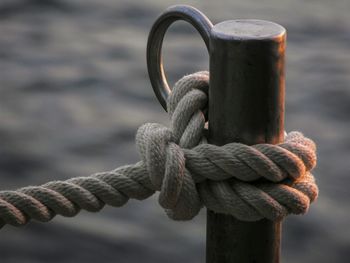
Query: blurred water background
point(74, 89)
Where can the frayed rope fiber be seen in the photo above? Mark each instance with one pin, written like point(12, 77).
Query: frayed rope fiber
point(247, 182)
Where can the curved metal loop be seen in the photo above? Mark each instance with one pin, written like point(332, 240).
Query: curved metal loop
point(155, 42)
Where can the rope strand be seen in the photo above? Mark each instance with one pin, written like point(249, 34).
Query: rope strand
point(248, 182)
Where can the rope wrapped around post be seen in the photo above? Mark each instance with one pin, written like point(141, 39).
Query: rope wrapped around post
point(248, 182)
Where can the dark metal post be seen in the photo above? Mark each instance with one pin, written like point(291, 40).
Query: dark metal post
point(246, 104)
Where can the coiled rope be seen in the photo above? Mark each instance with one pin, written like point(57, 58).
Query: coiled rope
point(248, 182)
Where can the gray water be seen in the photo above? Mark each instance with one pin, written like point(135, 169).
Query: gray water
point(74, 88)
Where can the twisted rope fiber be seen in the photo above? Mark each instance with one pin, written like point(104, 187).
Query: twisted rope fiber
point(248, 182)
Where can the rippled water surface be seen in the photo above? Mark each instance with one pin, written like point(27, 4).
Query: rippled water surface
point(74, 88)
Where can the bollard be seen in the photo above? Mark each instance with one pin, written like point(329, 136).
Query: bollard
point(246, 104)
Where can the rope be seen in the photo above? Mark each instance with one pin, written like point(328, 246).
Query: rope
point(247, 182)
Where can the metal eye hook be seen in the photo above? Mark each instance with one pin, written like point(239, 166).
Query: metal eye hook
point(155, 41)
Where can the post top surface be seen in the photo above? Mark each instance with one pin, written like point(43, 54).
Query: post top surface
point(248, 29)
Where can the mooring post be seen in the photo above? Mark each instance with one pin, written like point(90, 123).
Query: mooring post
point(246, 104)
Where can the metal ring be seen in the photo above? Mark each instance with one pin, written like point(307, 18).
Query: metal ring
point(155, 42)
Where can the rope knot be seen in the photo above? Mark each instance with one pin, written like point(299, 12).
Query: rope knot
point(190, 173)
point(247, 182)
point(162, 152)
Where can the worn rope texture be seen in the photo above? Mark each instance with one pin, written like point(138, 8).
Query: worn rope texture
point(248, 182)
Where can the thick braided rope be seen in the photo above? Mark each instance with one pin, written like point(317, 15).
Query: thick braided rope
point(248, 182)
